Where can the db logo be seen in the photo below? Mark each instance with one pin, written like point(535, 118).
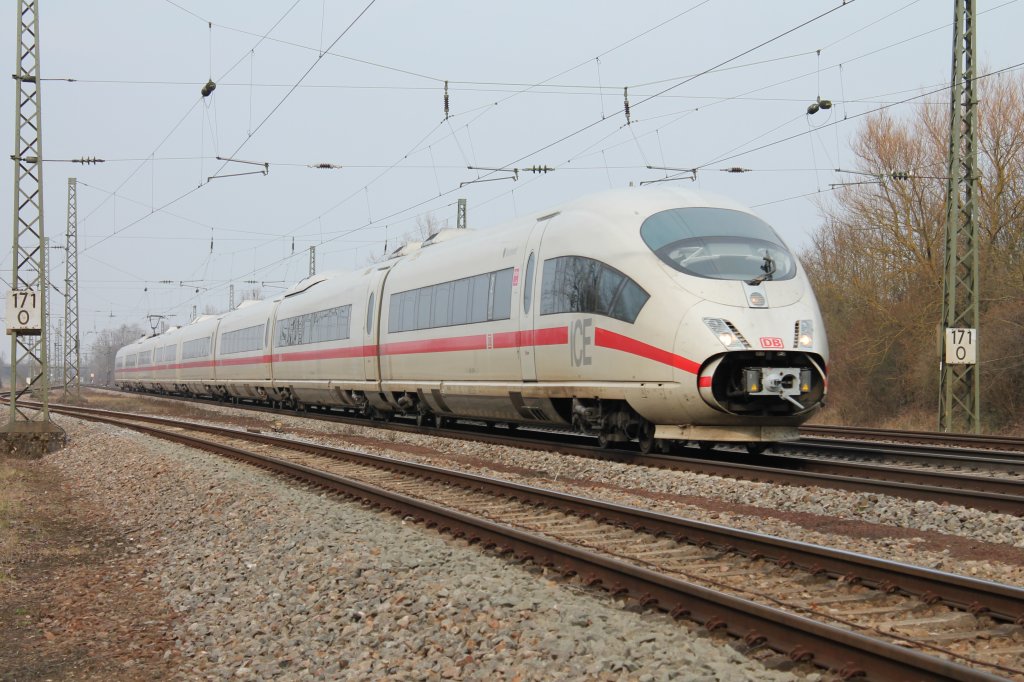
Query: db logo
point(771, 342)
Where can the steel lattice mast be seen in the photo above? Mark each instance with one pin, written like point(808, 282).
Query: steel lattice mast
point(72, 351)
point(960, 384)
point(28, 270)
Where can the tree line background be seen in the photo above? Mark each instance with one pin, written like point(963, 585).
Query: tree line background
point(876, 264)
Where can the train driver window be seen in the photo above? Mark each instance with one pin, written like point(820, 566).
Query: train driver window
point(718, 243)
point(528, 284)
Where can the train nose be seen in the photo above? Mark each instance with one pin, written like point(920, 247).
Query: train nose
point(763, 383)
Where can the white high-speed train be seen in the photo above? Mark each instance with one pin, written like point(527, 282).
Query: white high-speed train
point(640, 314)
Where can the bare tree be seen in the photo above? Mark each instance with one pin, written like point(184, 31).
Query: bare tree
point(427, 225)
point(876, 263)
point(105, 347)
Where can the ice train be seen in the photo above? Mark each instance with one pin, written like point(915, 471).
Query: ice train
point(644, 314)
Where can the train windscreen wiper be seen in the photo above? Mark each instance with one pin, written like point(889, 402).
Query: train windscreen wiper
point(767, 267)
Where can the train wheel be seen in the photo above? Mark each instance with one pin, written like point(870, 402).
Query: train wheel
point(603, 439)
point(647, 439)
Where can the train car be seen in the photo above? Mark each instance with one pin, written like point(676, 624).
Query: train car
point(196, 373)
point(644, 314)
point(127, 369)
point(163, 375)
point(320, 341)
point(242, 351)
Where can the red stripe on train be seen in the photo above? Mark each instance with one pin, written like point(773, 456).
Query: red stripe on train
point(551, 336)
point(609, 339)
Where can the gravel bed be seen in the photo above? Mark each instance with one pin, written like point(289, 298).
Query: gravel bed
point(271, 580)
point(988, 545)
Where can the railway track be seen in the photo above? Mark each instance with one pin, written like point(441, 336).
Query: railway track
point(849, 613)
point(878, 469)
point(984, 462)
point(960, 440)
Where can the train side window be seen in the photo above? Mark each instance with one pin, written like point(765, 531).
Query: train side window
point(442, 304)
point(608, 285)
point(575, 284)
point(369, 312)
point(528, 284)
point(481, 285)
point(344, 322)
point(629, 302)
point(408, 311)
point(501, 304)
point(460, 301)
point(424, 299)
point(395, 314)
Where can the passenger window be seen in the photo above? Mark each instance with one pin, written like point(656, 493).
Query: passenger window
point(575, 284)
point(395, 314)
point(460, 301)
point(501, 308)
point(481, 285)
point(424, 298)
point(607, 287)
point(408, 311)
point(631, 299)
point(442, 301)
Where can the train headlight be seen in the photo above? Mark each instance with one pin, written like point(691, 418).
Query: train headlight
point(726, 333)
point(805, 335)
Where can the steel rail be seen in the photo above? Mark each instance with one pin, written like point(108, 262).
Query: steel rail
point(1007, 460)
point(850, 653)
point(895, 474)
point(920, 437)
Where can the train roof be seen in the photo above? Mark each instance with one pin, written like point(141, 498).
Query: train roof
point(645, 201)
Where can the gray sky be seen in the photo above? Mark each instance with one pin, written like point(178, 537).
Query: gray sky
point(530, 83)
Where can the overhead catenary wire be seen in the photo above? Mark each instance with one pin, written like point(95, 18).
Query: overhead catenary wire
point(437, 165)
point(195, 103)
point(413, 207)
point(634, 133)
point(250, 136)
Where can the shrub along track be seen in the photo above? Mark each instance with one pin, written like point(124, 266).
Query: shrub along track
point(847, 612)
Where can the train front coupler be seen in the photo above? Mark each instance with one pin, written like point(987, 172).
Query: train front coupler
point(787, 383)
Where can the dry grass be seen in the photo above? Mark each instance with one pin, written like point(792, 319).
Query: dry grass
point(11, 494)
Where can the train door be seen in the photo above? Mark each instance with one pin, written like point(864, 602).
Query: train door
point(371, 323)
point(529, 299)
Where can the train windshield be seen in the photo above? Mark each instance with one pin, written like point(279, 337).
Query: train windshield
point(718, 243)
